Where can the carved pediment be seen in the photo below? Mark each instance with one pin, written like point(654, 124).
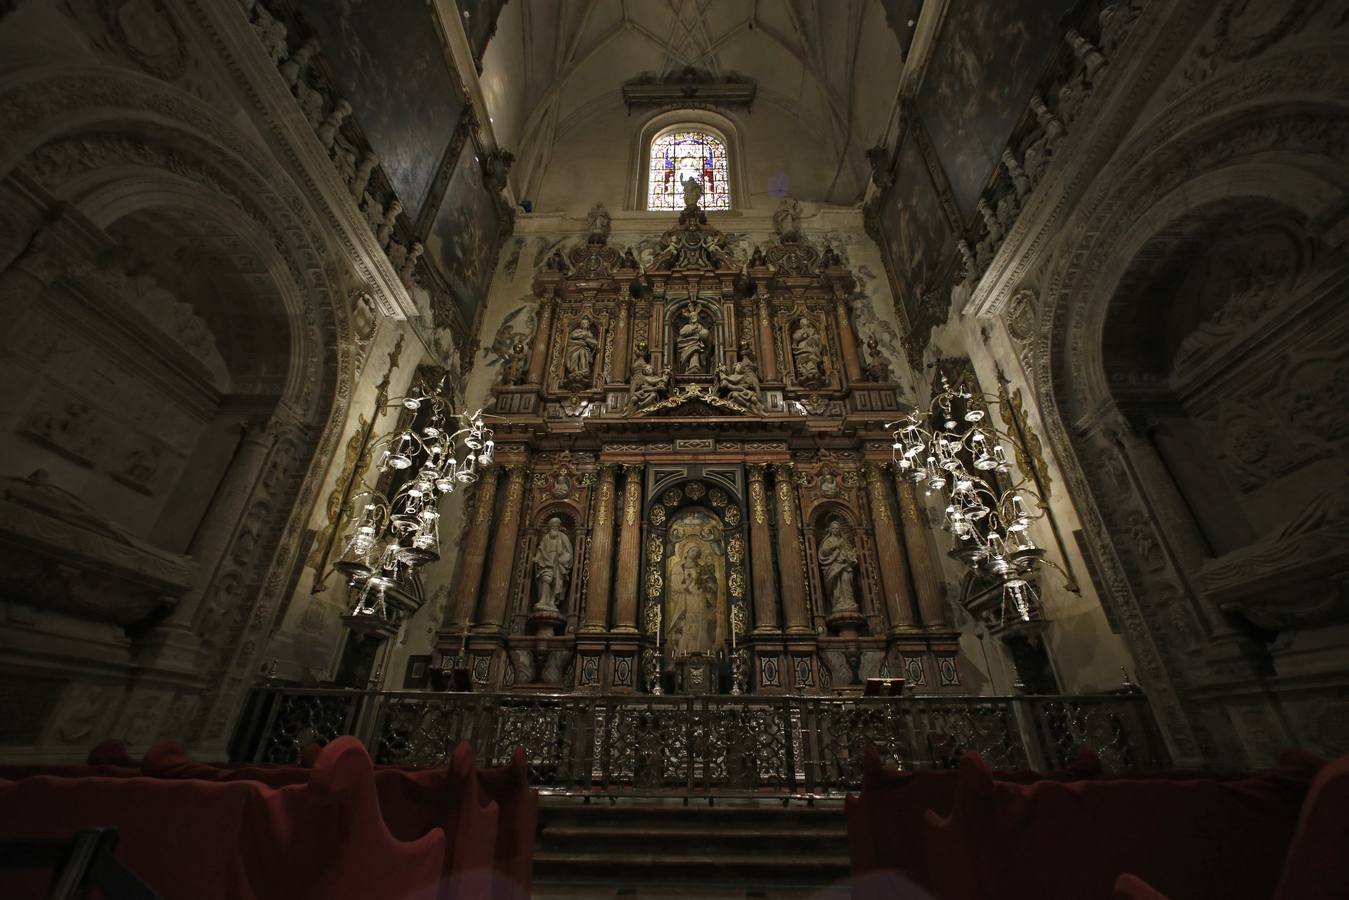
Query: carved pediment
point(693, 401)
point(694, 245)
point(689, 84)
point(593, 260)
point(797, 258)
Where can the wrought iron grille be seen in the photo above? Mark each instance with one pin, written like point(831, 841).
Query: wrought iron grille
point(643, 744)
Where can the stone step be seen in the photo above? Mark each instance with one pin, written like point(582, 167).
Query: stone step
point(656, 868)
point(690, 832)
point(732, 848)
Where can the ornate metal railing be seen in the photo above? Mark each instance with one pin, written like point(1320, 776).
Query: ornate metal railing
point(641, 744)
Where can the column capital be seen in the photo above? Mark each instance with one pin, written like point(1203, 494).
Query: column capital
point(757, 471)
point(633, 470)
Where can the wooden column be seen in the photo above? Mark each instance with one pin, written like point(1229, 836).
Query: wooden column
point(763, 581)
point(894, 567)
point(793, 578)
point(504, 544)
point(538, 360)
point(731, 352)
point(475, 552)
point(768, 357)
point(655, 334)
point(927, 583)
point(629, 551)
point(600, 587)
point(847, 339)
point(622, 352)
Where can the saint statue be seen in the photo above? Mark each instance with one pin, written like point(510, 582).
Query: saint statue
point(787, 220)
point(646, 387)
point(808, 353)
point(741, 384)
point(693, 192)
point(552, 565)
point(838, 559)
point(693, 597)
point(597, 224)
point(579, 355)
point(694, 344)
point(878, 367)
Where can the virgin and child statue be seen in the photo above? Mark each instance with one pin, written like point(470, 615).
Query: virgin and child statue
point(693, 604)
point(693, 344)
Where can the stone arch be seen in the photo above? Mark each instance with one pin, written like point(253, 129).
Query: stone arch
point(139, 147)
point(1263, 135)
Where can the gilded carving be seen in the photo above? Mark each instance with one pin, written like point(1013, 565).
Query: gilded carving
point(658, 516)
point(735, 549)
point(880, 504)
point(756, 497)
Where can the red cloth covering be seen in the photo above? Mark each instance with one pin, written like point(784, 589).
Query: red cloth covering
point(233, 840)
point(519, 805)
point(1317, 866)
point(111, 752)
point(885, 823)
point(1191, 838)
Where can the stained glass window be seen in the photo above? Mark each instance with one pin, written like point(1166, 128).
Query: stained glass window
point(679, 155)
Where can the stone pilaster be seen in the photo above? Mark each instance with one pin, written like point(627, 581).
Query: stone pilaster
point(601, 554)
point(894, 567)
point(629, 551)
point(504, 543)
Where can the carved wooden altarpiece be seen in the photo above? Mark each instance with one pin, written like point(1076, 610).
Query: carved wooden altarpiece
point(696, 427)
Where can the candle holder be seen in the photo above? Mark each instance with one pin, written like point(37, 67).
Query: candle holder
point(651, 670)
point(739, 671)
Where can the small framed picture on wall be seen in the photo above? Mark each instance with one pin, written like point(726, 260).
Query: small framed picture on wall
point(418, 674)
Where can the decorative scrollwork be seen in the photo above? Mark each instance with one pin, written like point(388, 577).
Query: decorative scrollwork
point(735, 549)
point(658, 516)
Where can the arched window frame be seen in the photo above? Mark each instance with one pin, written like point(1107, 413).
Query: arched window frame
point(720, 126)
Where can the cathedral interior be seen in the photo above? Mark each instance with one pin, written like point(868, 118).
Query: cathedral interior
point(741, 402)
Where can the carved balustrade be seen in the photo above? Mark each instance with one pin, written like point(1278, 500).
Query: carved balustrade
point(625, 744)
